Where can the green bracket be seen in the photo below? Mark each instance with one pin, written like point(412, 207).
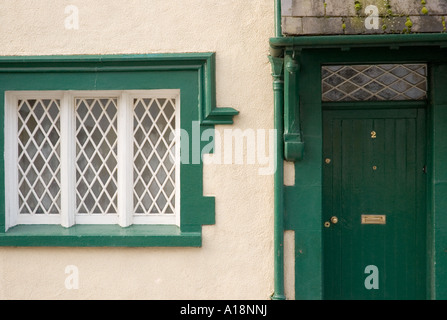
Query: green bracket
point(293, 139)
point(210, 114)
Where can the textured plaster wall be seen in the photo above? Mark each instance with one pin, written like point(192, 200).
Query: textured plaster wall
point(236, 260)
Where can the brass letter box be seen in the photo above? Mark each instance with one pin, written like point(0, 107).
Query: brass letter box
point(373, 219)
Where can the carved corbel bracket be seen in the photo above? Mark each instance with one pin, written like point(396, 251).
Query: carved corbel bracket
point(293, 139)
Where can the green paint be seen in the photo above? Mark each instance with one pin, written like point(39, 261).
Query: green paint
point(379, 175)
point(101, 236)
point(277, 65)
point(357, 41)
point(437, 182)
point(193, 74)
point(303, 201)
point(278, 29)
point(293, 142)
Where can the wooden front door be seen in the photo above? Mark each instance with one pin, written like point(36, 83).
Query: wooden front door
point(374, 220)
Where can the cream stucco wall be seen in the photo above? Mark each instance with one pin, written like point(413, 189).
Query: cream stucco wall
point(236, 259)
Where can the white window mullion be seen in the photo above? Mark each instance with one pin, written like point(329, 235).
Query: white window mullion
point(11, 160)
point(68, 161)
point(125, 160)
point(177, 160)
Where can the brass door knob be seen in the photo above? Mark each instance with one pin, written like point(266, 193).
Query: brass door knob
point(334, 220)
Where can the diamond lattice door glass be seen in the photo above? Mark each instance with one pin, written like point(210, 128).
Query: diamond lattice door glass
point(374, 82)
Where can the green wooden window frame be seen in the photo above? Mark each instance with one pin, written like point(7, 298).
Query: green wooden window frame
point(191, 73)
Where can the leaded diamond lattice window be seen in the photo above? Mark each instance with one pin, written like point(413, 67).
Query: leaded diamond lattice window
point(96, 155)
point(39, 177)
point(374, 82)
point(154, 154)
point(105, 157)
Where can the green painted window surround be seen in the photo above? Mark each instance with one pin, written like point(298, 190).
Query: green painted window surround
point(192, 73)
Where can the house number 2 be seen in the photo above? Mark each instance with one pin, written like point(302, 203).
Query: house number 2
point(373, 134)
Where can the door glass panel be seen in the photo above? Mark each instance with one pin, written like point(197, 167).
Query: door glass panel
point(374, 82)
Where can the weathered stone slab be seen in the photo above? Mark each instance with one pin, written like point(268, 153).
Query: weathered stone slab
point(292, 25)
point(312, 17)
point(434, 7)
point(303, 8)
point(428, 24)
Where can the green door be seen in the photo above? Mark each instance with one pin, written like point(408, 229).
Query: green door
point(374, 203)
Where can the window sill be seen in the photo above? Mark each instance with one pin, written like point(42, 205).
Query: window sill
point(100, 236)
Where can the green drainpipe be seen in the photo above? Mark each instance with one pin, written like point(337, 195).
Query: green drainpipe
point(278, 234)
point(278, 29)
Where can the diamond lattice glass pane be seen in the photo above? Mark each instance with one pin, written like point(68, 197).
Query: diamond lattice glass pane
point(154, 168)
point(39, 156)
point(96, 155)
point(374, 82)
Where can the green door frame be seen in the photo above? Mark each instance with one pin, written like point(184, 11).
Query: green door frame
point(301, 59)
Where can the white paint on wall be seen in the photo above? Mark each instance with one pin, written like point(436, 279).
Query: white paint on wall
point(289, 264)
point(289, 173)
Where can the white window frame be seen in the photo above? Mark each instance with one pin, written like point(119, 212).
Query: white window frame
point(68, 217)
